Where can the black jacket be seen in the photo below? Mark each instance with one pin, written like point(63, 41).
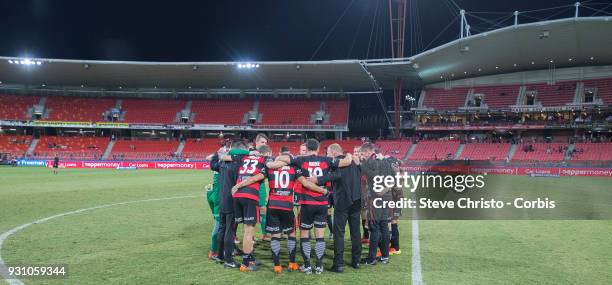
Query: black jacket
point(372, 167)
point(346, 185)
point(228, 174)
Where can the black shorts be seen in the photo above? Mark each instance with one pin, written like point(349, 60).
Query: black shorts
point(313, 215)
point(279, 221)
point(246, 211)
point(330, 201)
point(55, 165)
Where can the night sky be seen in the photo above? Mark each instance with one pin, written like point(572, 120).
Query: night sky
point(234, 30)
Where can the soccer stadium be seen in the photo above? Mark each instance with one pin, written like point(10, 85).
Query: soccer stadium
point(135, 170)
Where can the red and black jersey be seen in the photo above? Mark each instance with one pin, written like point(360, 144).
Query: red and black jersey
point(314, 166)
point(282, 181)
point(251, 166)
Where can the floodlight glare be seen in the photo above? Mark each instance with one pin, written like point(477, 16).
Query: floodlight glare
point(257, 65)
point(10, 61)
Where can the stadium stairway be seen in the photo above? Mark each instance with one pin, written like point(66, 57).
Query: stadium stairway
point(32, 146)
point(459, 151)
point(570, 148)
point(511, 151)
point(179, 148)
point(108, 150)
point(410, 151)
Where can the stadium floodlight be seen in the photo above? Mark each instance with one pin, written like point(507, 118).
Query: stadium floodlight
point(248, 65)
point(25, 61)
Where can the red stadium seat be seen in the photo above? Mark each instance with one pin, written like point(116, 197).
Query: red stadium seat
point(554, 95)
point(151, 110)
point(77, 148)
point(443, 99)
point(199, 150)
point(15, 107)
point(485, 151)
point(394, 148)
point(143, 150)
point(435, 150)
point(76, 109)
point(592, 151)
point(499, 97)
point(220, 111)
point(338, 111)
point(604, 88)
point(14, 145)
point(287, 111)
point(541, 152)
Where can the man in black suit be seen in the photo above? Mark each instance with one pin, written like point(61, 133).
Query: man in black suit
point(346, 185)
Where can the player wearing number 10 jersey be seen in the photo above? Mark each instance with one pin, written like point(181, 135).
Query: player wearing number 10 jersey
point(313, 212)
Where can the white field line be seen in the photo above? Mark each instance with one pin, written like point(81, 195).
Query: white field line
point(417, 275)
point(6, 235)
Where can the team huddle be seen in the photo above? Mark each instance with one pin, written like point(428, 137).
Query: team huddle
point(304, 190)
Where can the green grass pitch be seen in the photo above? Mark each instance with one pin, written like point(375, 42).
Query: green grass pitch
point(166, 241)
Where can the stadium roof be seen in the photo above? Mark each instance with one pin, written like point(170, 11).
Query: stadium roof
point(337, 75)
point(566, 42)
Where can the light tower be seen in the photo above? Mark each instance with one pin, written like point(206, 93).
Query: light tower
point(397, 18)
